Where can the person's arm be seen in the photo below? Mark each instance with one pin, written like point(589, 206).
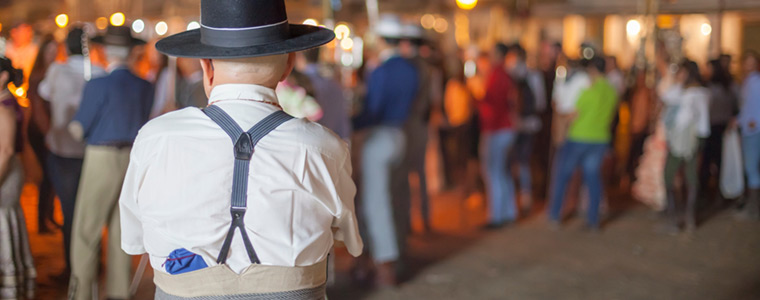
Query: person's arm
point(345, 226)
point(7, 139)
point(88, 113)
point(131, 223)
point(45, 88)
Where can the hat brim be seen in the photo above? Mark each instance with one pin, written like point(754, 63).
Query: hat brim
point(132, 42)
point(188, 44)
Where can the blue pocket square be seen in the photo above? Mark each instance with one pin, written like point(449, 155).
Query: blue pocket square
point(183, 261)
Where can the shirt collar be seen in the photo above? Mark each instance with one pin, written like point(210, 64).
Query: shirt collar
point(242, 92)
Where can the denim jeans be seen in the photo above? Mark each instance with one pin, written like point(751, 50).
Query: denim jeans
point(64, 174)
point(751, 146)
point(383, 152)
point(589, 157)
point(522, 155)
point(499, 183)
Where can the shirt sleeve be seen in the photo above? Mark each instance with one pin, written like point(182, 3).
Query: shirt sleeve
point(345, 224)
point(131, 223)
point(89, 109)
point(45, 88)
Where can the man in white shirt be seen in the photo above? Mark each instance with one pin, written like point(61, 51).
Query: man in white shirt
point(176, 196)
point(62, 87)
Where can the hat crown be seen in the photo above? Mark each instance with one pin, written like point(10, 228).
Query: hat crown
point(235, 14)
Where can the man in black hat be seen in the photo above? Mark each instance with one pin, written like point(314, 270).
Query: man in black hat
point(113, 109)
point(253, 221)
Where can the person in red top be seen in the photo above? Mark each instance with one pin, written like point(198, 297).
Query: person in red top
point(498, 118)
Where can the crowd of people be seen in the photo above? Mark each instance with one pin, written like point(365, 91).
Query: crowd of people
point(523, 128)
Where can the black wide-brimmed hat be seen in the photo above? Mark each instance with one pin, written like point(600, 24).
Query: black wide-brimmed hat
point(118, 36)
point(244, 28)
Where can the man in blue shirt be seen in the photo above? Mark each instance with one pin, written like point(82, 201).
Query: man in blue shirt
point(749, 122)
point(391, 91)
point(112, 110)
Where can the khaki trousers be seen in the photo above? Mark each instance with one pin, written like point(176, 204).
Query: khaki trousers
point(97, 205)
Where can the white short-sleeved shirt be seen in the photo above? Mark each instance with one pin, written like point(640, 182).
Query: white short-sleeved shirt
point(566, 93)
point(178, 187)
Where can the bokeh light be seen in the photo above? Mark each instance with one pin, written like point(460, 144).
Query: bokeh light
point(138, 26)
point(427, 21)
point(311, 22)
point(118, 19)
point(62, 20)
point(467, 4)
point(706, 29)
point(441, 25)
point(162, 28)
point(193, 25)
point(342, 31)
point(347, 44)
point(633, 28)
point(101, 23)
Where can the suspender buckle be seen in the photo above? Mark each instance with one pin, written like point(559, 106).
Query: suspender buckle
point(244, 147)
point(238, 213)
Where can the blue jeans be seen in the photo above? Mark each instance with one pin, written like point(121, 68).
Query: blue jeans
point(523, 153)
point(64, 175)
point(751, 147)
point(501, 189)
point(589, 157)
point(383, 152)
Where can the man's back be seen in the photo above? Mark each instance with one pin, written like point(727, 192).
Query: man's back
point(596, 109)
point(114, 107)
point(179, 184)
point(391, 90)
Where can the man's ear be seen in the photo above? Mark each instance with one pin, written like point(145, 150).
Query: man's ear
point(289, 68)
point(208, 75)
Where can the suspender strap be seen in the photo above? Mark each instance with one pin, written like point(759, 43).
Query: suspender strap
point(244, 144)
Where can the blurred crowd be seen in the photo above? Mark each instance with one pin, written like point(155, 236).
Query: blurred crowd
point(510, 125)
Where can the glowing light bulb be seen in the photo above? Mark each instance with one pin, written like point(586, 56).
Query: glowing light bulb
point(347, 44)
point(427, 21)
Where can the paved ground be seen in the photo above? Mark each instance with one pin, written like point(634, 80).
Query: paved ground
point(628, 260)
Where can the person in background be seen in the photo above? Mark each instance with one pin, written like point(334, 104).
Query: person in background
point(22, 49)
point(391, 91)
point(532, 98)
point(17, 273)
point(587, 142)
point(567, 90)
point(499, 119)
point(687, 124)
point(416, 131)
point(190, 86)
point(749, 123)
point(112, 110)
point(39, 125)
point(614, 75)
point(327, 92)
point(62, 88)
point(296, 96)
point(163, 99)
point(641, 109)
point(724, 105)
point(456, 138)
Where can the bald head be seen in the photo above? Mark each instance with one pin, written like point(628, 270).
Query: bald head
point(265, 71)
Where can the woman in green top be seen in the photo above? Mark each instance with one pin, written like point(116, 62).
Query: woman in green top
point(587, 143)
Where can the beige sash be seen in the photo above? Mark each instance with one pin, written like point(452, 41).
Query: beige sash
point(256, 279)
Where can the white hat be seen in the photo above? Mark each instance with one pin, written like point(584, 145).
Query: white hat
point(389, 26)
point(412, 31)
